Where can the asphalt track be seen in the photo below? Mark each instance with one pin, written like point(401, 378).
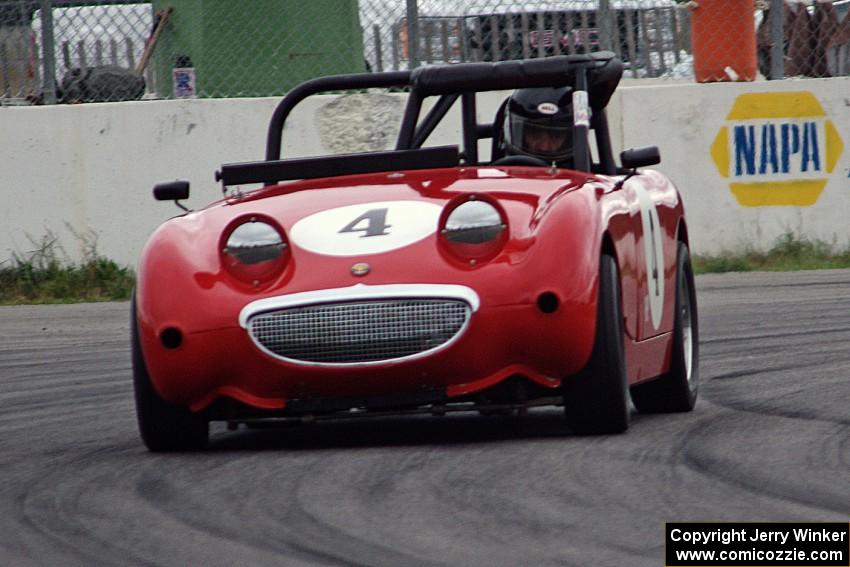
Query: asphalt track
point(769, 440)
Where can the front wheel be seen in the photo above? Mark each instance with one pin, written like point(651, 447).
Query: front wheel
point(596, 401)
point(163, 426)
point(676, 391)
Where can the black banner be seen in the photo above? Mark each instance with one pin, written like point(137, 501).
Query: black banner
point(757, 544)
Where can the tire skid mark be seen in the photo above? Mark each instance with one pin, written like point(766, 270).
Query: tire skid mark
point(760, 337)
point(772, 481)
point(756, 371)
point(274, 549)
point(311, 520)
point(763, 409)
point(308, 532)
point(85, 511)
point(693, 490)
point(682, 493)
point(51, 507)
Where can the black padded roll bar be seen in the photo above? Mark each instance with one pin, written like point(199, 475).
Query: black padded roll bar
point(504, 75)
point(324, 84)
point(273, 171)
point(602, 71)
point(581, 148)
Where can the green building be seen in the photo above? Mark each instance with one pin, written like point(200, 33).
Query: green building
point(256, 47)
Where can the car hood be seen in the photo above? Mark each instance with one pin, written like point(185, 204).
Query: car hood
point(185, 252)
point(525, 192)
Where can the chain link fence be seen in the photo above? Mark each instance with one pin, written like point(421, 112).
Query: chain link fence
point(651, 36)
point(810, 39)
point(78, 51)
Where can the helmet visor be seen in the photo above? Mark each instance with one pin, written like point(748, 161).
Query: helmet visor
point(540, 138)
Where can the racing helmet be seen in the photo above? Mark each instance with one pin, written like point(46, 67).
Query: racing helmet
point(539, 122)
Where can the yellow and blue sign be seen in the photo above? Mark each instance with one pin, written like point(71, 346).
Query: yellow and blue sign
point(777, 149)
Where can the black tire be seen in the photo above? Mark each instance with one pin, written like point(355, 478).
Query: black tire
point(164, 427)
point(596, 401)
point(676, 391)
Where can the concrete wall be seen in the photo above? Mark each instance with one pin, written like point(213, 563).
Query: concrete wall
point(688, 122)
point(85, 172)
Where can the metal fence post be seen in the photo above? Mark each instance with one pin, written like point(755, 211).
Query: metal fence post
point(48, 53)
point(379, 52)
point(603, 23)
point(413, 33)
point(777, 36)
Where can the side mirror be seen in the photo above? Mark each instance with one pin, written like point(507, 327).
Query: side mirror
point(171, 191)
point(640, 157)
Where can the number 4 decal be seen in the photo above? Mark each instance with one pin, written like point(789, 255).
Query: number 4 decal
point(654, 273)
point(376, 223)
point(366, 228)
point(653, 254)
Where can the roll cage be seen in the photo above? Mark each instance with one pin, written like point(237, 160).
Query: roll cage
point(598, 74)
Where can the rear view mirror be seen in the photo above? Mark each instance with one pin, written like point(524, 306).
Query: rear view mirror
point(171, 191)
point(640, 157)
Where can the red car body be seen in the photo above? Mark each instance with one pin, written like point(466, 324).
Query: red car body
point(555, 219)
point(532, 300)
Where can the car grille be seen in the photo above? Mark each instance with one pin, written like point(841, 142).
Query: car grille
point(358, 332)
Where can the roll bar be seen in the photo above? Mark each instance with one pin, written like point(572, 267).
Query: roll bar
point(597, 73)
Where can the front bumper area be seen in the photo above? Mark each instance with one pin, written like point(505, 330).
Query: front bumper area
point(496, 344)
point(515, 395)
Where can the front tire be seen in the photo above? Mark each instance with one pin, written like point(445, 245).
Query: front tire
point(163, 426)
point(676, 391)
point(596, 401)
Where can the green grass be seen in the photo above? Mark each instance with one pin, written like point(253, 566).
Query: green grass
point(790, 252)
point(41, 276)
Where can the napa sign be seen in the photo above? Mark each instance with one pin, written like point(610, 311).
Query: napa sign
point(777, 149)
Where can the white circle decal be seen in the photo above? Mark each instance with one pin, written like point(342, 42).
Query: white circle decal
point(547, 108)
point(653, 253)
point(366, 228)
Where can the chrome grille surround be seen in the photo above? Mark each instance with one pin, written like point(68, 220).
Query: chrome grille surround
point(360, 325)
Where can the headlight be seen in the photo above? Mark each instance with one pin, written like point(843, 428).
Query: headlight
point(473, 229)
point(473, 222)
point(254, 251)
point(254, 242)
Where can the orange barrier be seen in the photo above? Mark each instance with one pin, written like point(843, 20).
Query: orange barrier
point(723, 40)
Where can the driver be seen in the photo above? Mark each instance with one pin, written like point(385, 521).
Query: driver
point(538, 123)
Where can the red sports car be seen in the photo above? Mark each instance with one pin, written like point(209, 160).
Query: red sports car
point(422, 279)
